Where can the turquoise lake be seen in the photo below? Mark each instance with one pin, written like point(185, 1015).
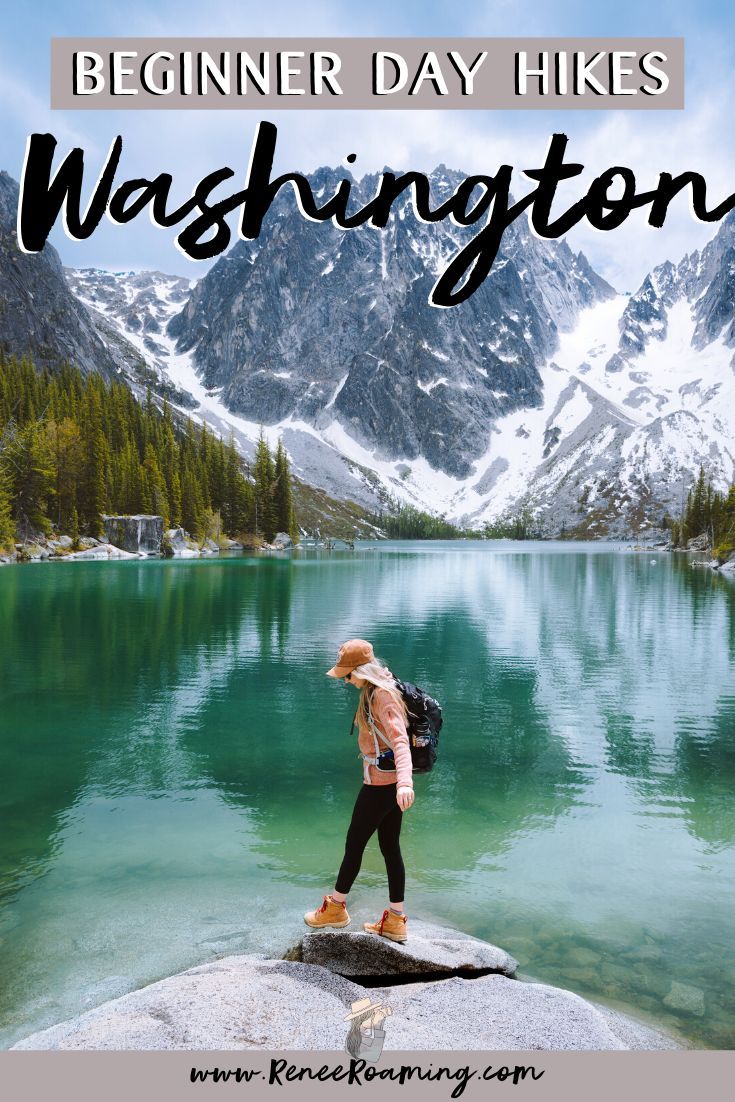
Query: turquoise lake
point(178, 776)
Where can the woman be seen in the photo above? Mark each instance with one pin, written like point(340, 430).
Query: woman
point(384, 795)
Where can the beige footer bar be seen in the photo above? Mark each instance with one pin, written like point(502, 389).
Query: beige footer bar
point(602, 1076)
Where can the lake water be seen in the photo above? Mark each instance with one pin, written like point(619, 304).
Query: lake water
point(177, 774)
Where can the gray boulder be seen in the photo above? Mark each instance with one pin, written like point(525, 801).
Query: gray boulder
point(37, 551)
point(429, 948)
point(699, 543)
point(282, 541)
point(251, 1002)
point(101, 553)
point(235, 1003)
point(495, 1012)
point(178, 538)
point(141, 532)
point(183, 546)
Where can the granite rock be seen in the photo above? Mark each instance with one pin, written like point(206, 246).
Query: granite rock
point(251, 1002)
point(102, 553)
point(282, 541)
point(137, 533)
point(430, 948)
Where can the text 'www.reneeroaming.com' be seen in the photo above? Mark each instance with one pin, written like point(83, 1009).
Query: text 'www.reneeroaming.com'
point(360, 1072)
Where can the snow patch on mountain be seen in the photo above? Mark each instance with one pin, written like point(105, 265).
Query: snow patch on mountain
point(632, 392)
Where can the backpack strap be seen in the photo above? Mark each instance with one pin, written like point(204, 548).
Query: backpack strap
point(374, 730)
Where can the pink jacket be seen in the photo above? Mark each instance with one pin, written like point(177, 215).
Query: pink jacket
point(388, 719)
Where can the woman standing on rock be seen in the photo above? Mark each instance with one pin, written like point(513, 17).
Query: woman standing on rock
point(385, 793)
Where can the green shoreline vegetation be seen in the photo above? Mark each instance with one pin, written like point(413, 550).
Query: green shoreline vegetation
point(405, 522)
point(73, 448)
point(707, 513)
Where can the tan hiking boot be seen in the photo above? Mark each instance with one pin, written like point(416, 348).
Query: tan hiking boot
point(331, 913)
point(391, 925)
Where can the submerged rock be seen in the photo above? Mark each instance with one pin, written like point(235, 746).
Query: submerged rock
point(685, 998)
point(581, 957)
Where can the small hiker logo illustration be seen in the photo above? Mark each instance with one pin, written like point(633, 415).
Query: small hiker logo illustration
point(366, 1033)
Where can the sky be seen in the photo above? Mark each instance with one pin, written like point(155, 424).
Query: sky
point(190, 144)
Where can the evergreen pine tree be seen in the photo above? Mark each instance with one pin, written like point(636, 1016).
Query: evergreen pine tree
point(92, 496)
point(154, 487)
point(283, 501)
point(74, 530)
point(31, 479)
point(7, 527)
point(95, 497)
point(193, 506)
point(175, 499)
point(265, 515)
point(696, 518)
point(66, 452)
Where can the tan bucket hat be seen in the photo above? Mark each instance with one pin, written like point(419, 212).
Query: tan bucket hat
point(353, 653)
point(361, 1006)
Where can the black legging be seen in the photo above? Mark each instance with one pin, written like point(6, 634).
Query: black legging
point(375, 807)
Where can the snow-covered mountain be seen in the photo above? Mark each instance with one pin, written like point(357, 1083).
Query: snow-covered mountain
point(546, 389)
point(636, 397)
point(331, 330)
point(38, 315)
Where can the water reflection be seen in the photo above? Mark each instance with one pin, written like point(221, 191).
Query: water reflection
point(176, 757)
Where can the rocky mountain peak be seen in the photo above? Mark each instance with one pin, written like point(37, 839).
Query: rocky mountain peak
point(545, 390)
point(315, 325)
point(41, 317)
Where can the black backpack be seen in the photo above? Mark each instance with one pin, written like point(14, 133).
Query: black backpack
point(424, 724)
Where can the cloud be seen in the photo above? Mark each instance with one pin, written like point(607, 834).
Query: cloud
point(25, 111)
point(692, 141)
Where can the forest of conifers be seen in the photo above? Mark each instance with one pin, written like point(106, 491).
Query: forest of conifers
point(73, 448)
